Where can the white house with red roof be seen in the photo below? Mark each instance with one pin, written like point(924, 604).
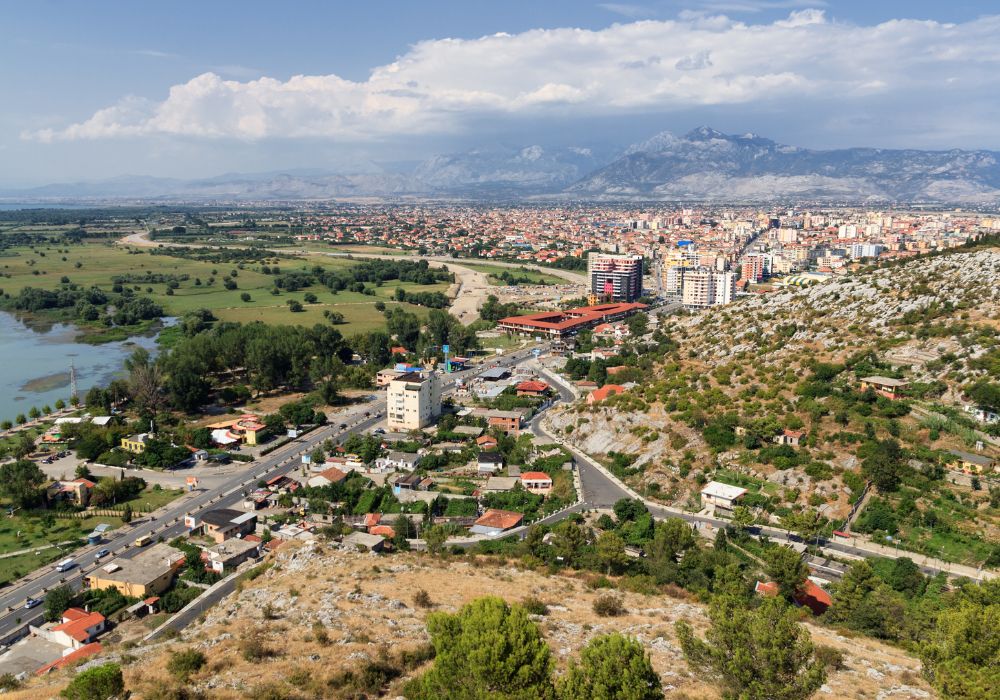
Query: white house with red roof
point(537, 482)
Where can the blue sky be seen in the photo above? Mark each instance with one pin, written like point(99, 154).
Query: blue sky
point(102, 89)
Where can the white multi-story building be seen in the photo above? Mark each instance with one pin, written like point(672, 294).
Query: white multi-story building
point(413, 401)
point(705, 287)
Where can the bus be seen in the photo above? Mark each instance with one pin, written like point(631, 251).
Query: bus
point(65, 565)
point(143, 541)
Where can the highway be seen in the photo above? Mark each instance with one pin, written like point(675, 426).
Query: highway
point(169, 521)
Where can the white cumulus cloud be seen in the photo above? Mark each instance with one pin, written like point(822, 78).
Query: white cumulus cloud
point(439, 86)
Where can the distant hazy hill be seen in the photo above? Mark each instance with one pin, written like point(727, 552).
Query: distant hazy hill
point(530, 170)
point(707, 164)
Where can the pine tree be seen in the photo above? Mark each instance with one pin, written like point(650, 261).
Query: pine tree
point(611, 667)
point(488, 650)
point(754, 654)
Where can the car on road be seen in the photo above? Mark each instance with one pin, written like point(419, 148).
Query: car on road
point(101, 553)
point(31, 603)
point(378, 431)
point(343, 425)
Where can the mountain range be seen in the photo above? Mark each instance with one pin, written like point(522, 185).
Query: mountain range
point(702, 165)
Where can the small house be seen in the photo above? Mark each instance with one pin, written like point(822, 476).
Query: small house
point(537, 482)
point(489, 462)
point(606, 391)
point(136, 444)
point(532, 388)
point(972, 463)
point(495, 522)
point(884, 386)
point(793, 438)
point(721, 496)
point(364, 541)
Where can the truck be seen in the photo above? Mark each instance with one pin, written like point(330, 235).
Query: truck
point(143, 541)
point(65, 565)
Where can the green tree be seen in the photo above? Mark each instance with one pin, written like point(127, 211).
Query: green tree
point(488, 650)
point(21, 482)
point(671, 538)
point(808, 524)
point(962, 652)
point(127, 513)
point(57, 601)
point(567, 541)
point(611, 551)
point(103, 682)
point(24, 445)
point(743, 518)
point(882, 463)
point(754, 654)
point(786, 568)
point(435, 536)
point(185, 662)
point(611, 667)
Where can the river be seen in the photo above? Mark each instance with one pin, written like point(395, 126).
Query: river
point(35, 363)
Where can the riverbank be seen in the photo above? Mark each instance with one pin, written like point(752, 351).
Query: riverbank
point(36, 362)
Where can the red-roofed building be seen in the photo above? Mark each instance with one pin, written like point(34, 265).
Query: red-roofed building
point(531, 388)
point(78, 628)
point(486, 442)
point(560, 324)
point(86, 651)
point(537, 482)
point(606, 391)
point(790, 437)
point(811, 596)
point(493, 522)
point(384, 530)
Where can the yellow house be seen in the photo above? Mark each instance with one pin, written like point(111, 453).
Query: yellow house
point(148, 573)
point(136, 444)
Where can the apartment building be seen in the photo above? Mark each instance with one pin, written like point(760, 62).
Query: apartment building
point(414, 401)
point(615, 278)
point(704, 287)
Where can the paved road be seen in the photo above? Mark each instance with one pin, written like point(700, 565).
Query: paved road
point(601, 491)
point(169, 521)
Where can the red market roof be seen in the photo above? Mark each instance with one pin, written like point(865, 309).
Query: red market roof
point(571, 318)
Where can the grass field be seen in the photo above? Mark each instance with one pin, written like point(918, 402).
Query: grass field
point(30, 531)
point(102, 261)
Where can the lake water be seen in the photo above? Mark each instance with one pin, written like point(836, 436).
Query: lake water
point(35, 363)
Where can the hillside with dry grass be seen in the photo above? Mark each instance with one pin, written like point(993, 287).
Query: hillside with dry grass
point(717, 387)
point(322, 622)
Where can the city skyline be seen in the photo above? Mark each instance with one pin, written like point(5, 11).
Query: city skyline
point(218, 90)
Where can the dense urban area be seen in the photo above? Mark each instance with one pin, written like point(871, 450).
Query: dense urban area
point(700, 451)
